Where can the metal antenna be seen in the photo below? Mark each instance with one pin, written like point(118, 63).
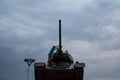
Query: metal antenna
point(29, 61)
point(60, 45)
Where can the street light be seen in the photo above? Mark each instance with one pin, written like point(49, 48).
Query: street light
point(29, 61)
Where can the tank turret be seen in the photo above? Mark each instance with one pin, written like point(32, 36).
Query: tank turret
point(60, 65)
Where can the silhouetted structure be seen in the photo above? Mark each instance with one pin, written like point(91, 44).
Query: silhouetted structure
point(29, 61)
point(60, 65)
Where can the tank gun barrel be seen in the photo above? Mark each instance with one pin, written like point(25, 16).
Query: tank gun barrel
point(60, 44)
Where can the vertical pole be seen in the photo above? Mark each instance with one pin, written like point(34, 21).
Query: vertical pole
point(28, 72)
point(29, 61)
point(60, 46)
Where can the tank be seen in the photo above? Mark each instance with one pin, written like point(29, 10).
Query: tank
point(60, 65)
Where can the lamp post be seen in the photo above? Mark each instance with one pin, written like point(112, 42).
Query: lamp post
point(29, 61)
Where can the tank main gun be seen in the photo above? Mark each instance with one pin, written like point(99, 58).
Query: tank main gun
point(60, 40)
point(59, 56)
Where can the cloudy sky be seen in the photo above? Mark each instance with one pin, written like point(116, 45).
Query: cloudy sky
point(90, 29)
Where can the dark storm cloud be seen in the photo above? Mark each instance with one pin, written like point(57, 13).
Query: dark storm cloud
point(30, 28)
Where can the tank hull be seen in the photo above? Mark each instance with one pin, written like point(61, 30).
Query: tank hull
point(42, 72)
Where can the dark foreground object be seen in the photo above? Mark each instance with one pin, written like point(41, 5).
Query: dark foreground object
point(60, 65)
point(42, 72)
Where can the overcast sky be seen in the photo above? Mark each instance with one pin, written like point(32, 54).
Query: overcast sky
point(90, 32)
